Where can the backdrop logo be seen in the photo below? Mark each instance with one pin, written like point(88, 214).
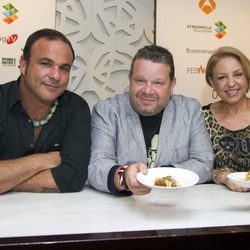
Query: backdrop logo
point(199, 51)
point(220, 29)
point(196, 70)
point(8, 61)
point(207, 6)
point(10, 13)
point(9, 39)
point(200, 28)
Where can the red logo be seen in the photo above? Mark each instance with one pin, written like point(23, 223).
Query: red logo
point(11, 39)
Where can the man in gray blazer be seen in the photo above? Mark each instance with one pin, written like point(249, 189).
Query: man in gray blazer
point(147, 127)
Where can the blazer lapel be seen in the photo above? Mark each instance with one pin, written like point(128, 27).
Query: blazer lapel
point(166, 128)
point(136, 130)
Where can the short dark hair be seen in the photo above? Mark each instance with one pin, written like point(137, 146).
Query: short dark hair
point(156, 54)
point(49, 34)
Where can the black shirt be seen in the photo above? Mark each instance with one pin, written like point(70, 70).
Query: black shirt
point(68, 131)
point(150, 126)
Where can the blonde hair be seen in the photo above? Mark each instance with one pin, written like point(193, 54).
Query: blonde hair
point(223, 52)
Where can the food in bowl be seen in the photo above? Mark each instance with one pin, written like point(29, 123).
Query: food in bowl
point(166, 181)
point(247, 177)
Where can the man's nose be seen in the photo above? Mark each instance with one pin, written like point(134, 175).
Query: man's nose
point(54, 73)
point(148, 87)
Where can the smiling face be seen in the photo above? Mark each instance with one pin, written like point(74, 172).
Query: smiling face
point(46, 75)
point(229, 81)
point(150, 87)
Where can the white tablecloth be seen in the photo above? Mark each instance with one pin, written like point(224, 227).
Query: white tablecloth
point(90, 211)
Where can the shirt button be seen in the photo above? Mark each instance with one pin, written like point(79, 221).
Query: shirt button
point(29, 120)
point(31, 145)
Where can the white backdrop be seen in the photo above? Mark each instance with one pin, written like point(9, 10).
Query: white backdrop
point(105, 36)
point(26, 16)
point(188, 30)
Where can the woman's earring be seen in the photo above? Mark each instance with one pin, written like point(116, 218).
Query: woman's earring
point(214, 94)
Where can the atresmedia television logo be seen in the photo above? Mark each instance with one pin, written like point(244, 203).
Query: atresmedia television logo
point(9, 13)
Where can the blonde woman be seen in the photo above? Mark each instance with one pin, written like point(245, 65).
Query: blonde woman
point(228, 119)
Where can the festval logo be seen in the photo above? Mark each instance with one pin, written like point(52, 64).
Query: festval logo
point(220, 29)
point(207, 6)
point(196, 70)
point(10, 13)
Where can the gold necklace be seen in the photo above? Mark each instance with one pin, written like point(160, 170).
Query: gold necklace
point(42, 122)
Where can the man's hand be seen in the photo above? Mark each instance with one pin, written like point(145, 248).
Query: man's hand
point(51, 159)
point(130, 177)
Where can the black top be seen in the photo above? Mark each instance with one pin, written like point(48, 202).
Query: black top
point(150, 126)
point(68, 131)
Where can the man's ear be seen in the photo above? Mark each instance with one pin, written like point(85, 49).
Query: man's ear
point(173, 83)
point(22, 65)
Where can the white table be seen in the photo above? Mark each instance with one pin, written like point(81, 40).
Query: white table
point(90, 211)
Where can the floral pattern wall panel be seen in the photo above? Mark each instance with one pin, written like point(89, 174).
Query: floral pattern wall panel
point(105, 35)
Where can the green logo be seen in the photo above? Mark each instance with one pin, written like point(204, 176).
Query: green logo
point(220, 29)
point(10, 13)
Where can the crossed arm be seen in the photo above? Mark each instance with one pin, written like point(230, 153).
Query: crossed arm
point(30, 173)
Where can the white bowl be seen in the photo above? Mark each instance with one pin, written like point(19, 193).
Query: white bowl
point(238, 179)
point(184, 177)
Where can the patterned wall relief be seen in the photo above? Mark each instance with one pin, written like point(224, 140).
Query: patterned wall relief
point(105, 35)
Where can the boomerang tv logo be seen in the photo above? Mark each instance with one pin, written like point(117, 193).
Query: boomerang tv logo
point(207, 6)
point(9, 13)
point(9, 39)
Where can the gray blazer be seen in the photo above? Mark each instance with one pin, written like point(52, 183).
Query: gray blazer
point(117, 138)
